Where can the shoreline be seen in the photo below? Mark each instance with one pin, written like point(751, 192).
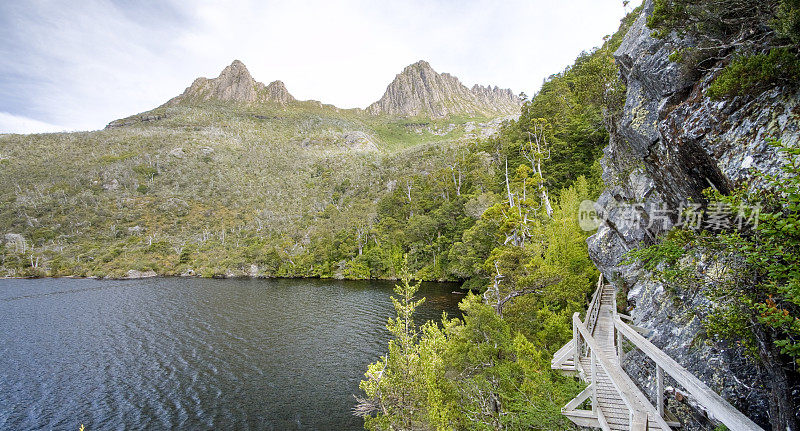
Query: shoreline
point(231, 277)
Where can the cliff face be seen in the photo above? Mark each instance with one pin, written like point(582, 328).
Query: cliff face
point(420, 90)
point(669, 144)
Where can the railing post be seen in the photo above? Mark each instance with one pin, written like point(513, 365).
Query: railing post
point(619, 339)
point(638, 421)
point(577, 337)
point(660, 390)
point(594, 381)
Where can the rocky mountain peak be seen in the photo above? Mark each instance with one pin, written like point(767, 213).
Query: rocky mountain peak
point(496, 95)
point(235, 73)
point(420, 67)
point(234, 84)
point(420, 90)
point(276, 91)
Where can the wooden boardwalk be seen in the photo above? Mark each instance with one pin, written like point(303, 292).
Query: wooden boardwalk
point(615, 402)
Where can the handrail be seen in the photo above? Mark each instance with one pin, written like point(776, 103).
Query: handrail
point(593, 312)
point(604, 363)
point(562, 353)
point(589, 310)
point(717, 407)
point(625, 387)
point(618, 341)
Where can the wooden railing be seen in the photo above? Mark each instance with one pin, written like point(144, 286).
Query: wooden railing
point(714, 404)
point(593, 312)
point(642, 413)
point(627, 390)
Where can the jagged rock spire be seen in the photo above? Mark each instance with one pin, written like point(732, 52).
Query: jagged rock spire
point(420, 90)
point(234, 84)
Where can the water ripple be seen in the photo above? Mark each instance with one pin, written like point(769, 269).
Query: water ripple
point(191, 354)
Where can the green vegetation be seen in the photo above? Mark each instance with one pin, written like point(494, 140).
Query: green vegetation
point(257, 190)
point(756, 268)
point(749, 267)
point(490, 369)
point(756, 73)
point(759, 38)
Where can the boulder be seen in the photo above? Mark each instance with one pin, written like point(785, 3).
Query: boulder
point(134, 274)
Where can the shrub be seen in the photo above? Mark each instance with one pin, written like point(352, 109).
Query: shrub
point(756, 73)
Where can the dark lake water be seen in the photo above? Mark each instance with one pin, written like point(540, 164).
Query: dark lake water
point(171, 353)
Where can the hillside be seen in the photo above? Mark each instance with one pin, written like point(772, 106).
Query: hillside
point(230, 161)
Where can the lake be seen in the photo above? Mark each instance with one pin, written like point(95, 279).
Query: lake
point(188, 353)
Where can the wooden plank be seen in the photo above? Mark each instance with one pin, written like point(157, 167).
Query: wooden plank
point(602, 419)
point(608, 390)
point(618, 423)
point(616, 414)
point(660, 390)
point(582, 418)
point(593, 355)
point(576, 339)
point(563, 355)
point(716, 406)
point(613, 402)
point(621, 408)
point(619, 427)
point(616, 406)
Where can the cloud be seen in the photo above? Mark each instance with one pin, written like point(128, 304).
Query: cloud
point(85, 66)
point(10, 123)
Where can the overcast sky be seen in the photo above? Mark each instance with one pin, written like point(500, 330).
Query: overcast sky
point(77, 65)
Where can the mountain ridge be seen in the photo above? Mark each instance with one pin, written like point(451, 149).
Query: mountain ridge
point(418, 90)
point(234, 84)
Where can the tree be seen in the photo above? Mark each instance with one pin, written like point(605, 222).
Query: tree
point(392, 383)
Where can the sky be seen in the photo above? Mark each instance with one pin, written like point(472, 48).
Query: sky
point(78, 65)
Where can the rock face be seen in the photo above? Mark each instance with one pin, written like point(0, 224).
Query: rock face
point(359, 141)
point(276, 91)
point(417, 91)
point(234, 84)
point(135, 274)
point(500, 98)
point(420, 90)
point(670, 143)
